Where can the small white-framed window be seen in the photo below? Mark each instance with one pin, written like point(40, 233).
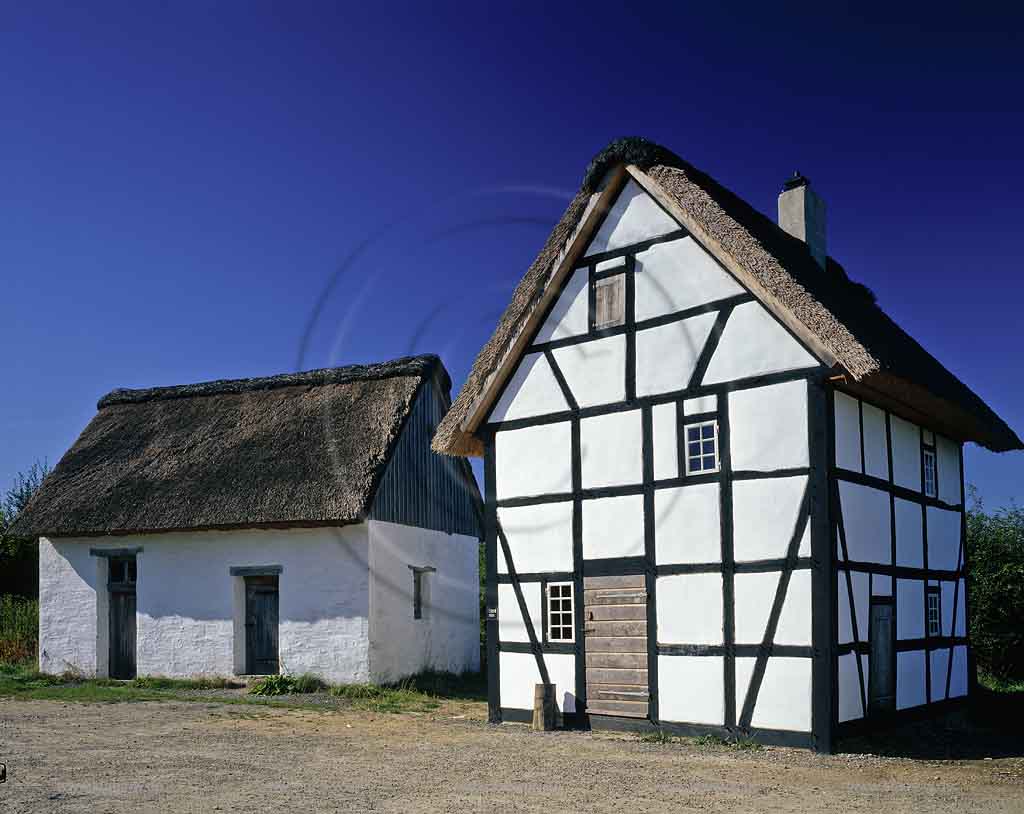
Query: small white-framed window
point(610, 301)
point(934, 608)
point(928, 456)
point(701, 450)
point(560, 612)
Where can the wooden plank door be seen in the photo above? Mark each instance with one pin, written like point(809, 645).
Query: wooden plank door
point(615, 630)
point(882, 677)
point(121, 628)
point(261, 622)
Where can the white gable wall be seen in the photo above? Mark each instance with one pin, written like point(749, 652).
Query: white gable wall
point(634, 217)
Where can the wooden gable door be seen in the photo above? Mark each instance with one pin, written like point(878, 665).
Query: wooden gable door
point(882, 665)
point(261, 622)
point(121, 592)
point(615, 627)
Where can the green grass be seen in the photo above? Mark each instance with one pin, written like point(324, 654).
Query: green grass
point(657, 736)
point(739, 743)
point(19, 628)
point(990, 682)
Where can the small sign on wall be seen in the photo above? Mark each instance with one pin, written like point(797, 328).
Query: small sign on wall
point(492, 614)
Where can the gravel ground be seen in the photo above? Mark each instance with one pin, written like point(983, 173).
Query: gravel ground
point(199, 757)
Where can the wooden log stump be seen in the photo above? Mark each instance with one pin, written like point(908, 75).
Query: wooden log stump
point(546, 716)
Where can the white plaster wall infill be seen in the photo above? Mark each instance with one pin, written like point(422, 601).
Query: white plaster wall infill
point(909, 609)
point(906, 453)
point(847, 433)
point(784, 699)
point(755, 595)
point(678, 275)
point(595, 371)
point(867, 523)
point(949, 589)
point(876, 445)
point(851, 706)
point(939, 664)
point(860, 598)
point(958, 680)
point(664, 429)
point(519, 675)
point(691, 689)
point(447, 636)
point(610, 448)
point(532, 391)
point(765, 514)
point(667, 355)
point(67, 607)
point(754, 343)
point(687, 524)
point(690, 609)
point(511, 627)
point(701, 404)
point(570, 315)
point(613, 527)
point(910, 679)
point(943, 539)
point(948, 455)
point(768, 427)
point(539, 537)
point(533, 460)
point(909, 538)
point(633, 218)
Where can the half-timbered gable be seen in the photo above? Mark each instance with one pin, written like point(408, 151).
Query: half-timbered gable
point(724, 491)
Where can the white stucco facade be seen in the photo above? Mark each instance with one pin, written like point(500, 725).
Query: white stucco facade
point(340, 611)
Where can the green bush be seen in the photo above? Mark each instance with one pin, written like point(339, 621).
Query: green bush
point(995, 548)
point(19, 629)
point(287, 685)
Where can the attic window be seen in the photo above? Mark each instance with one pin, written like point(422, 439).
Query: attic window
point(934, 611)
point(928, 465)
point(609, 301)
point(701, 447)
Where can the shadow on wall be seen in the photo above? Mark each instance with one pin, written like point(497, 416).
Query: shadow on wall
point(987, 726)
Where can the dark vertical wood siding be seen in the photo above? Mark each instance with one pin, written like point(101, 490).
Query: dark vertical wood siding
point(422, 488)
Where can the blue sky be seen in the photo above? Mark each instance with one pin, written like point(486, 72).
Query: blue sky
point(180, 183)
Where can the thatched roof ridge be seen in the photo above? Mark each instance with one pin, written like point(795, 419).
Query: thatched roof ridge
point(404, 366)
point(302, 449)
point(838, 313)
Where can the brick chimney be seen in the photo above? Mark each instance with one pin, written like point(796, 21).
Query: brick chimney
point(802, 214)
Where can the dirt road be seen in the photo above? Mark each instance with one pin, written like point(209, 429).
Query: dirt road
point(198, 757)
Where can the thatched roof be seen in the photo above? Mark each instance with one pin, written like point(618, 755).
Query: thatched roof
point(839, 318)
point(300, 449)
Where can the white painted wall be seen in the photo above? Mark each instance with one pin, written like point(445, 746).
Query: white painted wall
point(687, 524)
point(511, 627)
point(531, 391)
point(447, 637)
point(847, 432)
point(754, 343)
point(613, 527)
point(768, 427)
point(755, 594)
point(666, 356)
point(943, 539)
point(519, 675)
point(690, 609)
point(539, 537)
point(860, 599)
point(784, 701)
point(948, 462)
point(691, 689)
point(909, 537)
point(867, 523)
point(906, 453)
point(570, 315)
point(595, 371)
point(533, 460)
point(633, 218)
point(876, 445)
point(765, 514)
point(678, 275)
point(610, 448)
point(665, 429)
point(910, 679)
point(186, 597)
point(851, 705)
point(909, 609)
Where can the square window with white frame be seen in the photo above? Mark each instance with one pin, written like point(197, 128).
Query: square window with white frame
point(701, 447)
point(930, 480)
point(609, 301)
point(560, 612)
point(934, 607)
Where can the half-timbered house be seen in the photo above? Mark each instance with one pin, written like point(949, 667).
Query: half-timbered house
point(295, 523)
point(724, 491)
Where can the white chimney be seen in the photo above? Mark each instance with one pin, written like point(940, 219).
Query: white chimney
point(802, 214)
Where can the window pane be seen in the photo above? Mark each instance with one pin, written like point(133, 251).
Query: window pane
point(693, 434)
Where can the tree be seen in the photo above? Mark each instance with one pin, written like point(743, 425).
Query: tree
point(19, 557)
point(995, 547)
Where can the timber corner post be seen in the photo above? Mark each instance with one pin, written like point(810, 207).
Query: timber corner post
point(823, 607)
point(491, 588)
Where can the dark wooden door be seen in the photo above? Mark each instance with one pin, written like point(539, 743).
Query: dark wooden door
point(615, 627)
point(261, 621)
point(882, 676)
point(121, 587)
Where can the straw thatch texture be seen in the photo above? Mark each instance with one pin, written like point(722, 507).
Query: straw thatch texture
point(840, 313)
point(298, 449)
